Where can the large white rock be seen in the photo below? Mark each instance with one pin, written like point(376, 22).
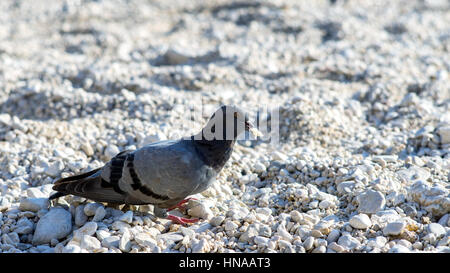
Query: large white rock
point(371, 201)
point(360, 221)
point(200, 211)
point(88, 229)
point(436, 229)
point(33, 204)
point(111, 151)
point(394, 228)
point(434, 199)
point(55, 168)
point(145, 240)
point(89, 243)
point(444, 133)
point(55, 224)
point(349, 242)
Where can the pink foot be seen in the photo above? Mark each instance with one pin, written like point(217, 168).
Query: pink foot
point(181, 204)
point(181, 220)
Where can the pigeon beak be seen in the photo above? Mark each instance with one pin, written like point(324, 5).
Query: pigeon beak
point(249, 127)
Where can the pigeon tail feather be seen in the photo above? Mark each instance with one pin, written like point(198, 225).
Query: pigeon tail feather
point(89, 185)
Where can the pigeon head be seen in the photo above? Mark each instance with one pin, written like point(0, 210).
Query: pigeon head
point(227, 123)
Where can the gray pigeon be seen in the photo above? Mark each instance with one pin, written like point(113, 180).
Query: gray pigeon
point(163, 173)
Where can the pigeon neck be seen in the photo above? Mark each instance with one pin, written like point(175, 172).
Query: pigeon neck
point(215, 153)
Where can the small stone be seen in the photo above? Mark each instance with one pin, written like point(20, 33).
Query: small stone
point(417, 245)
point(283, 245)
point(72, 248)
point(296, 216)
point(5, 119)
point(370, 202)
point(24, 226)
point(4, 204)
point(54, 169)
point(248, 235)
point(152, 138)
point(200, 211)
point(316, 233)
point(265, 231)
point(308, 243)
point(100, 213)
point(187, 232)
point(36, 192)
point(102, 234)
point(284, 234)
point(55, 224)
point(11, 238)
point(217, 220)
point(170, 236)
point(394, 228)
point(80, 217)
point(436, 229)
point(399, 249)
point(127, 217)
point(265, 211)
point(145, 240)
point(444, 220)
point(33, 204)
point(276, 155)
point(377, 242)
point(121, 226)
point(91, 208)
point(111, 241)
point(88, 229)
point(87, 148)
point(230, 226)
point(444, 133)
point(335, 247)
point(125, 241)
point(324, 204)
point(333, 235)
point(261, 241)
point(111, 151)
point(360, 221)
point(173, 57)
point(320, 249)
point(345, 186)
point(200, 247)
point(89, 243)
point(349, 242)
point(259, 167)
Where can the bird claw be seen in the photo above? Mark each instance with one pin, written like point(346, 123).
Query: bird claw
point(181, 220)
point(182, 204)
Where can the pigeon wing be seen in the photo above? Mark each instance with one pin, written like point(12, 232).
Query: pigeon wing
point(164, 173)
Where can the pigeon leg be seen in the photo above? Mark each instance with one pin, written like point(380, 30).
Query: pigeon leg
point(162, 213)
point(181, 204)
point(181, 220)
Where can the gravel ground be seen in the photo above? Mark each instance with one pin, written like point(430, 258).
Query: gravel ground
point(361, 87)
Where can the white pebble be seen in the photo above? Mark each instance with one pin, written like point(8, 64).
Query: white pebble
point(100, 213)
point(394, 228)
point(55, 224)
point(90, 208)
point(89, 243)
point(127, 217)
point(145, 240)
point(33, 204)
point(436, 229)
point(371, 201)
point(111, 241)
point(111, 151)
point(360, 221)
point(217, 220)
